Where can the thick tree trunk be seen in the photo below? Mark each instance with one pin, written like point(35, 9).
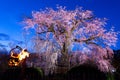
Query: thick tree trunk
point(64, 57)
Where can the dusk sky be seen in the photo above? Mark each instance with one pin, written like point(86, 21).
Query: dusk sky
point(12, 12)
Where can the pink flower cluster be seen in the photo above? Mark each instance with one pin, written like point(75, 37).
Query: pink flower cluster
point(76, 26)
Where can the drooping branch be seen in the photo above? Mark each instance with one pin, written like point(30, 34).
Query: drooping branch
point(87, 40)
point(68, 27)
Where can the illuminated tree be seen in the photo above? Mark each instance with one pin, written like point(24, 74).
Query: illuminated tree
point(63, 31)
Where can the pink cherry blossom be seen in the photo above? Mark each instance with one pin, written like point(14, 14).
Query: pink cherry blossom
point(63, 28)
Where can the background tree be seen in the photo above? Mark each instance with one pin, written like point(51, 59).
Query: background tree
point(3, 59)
point(63, 31)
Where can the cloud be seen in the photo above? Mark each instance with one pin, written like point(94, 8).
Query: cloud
point(1, 45)
point(7, 42)
point(3, 49)
point(14, 43)
point(18, 42)
point(4, 36)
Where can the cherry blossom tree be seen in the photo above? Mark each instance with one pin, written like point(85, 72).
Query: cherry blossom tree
point(77, 34)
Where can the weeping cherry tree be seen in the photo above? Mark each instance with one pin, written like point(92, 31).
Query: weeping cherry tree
point(78, 35)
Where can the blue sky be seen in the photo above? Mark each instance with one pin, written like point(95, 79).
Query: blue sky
point(12, 12)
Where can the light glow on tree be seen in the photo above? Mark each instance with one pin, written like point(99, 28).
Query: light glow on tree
point(65, 28)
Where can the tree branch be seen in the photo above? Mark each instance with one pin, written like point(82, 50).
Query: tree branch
point(43, 32)
point(86, 40)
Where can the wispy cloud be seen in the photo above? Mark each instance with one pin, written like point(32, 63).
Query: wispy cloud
point(7, 42)
point(18, 42)
point(4, 37)
point(2, 45)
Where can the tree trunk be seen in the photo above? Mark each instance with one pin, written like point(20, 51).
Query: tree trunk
point(64, 58)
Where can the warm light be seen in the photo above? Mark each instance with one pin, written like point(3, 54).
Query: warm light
point(23, 54)
point(19, 58)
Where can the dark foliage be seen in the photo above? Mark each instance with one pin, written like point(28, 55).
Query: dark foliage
point(11, 74)
point(17, 73)
point(33, 74)
point(116, 64)
point(85, 72)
